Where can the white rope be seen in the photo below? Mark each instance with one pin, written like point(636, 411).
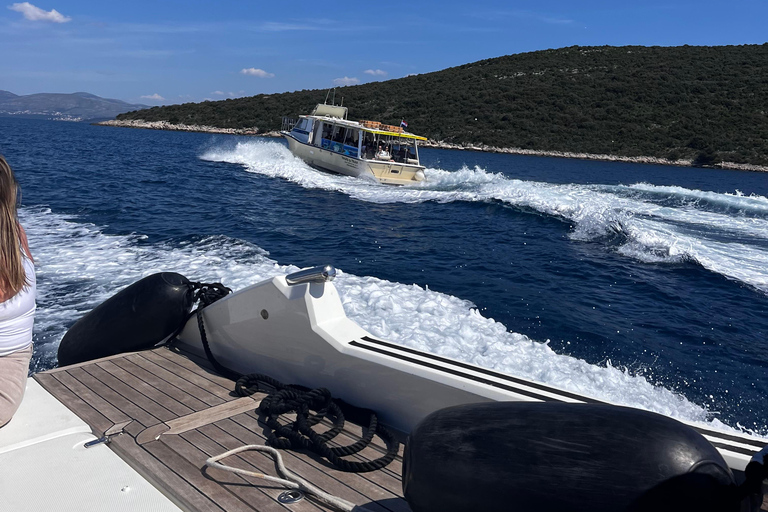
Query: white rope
point(289, 481)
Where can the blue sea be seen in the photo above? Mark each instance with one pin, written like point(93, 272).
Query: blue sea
point(639, 284)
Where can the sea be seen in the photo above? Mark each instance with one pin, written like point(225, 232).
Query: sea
point(642, 285)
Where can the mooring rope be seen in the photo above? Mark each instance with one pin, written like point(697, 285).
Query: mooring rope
point(289, 480)
point(284, 399)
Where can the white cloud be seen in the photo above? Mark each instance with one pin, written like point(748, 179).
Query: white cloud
point(346, 81)
point(256, 72)
point(34, 13)
point(218, 93)
point(155, 97)
point(375, 72)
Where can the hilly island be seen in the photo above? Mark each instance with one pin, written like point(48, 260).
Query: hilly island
point(698, 105)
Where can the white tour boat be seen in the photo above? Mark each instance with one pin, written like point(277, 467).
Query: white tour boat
point(327, 140)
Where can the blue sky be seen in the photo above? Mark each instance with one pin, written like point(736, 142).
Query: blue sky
point(173, 51)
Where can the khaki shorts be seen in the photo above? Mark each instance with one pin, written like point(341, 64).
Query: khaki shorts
point(13, 380)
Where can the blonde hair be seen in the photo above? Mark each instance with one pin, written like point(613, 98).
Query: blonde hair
point(12, 276)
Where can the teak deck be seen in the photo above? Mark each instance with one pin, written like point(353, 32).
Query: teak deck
point(176, 396)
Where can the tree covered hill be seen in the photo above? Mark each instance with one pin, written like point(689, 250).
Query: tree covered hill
point(700, 102)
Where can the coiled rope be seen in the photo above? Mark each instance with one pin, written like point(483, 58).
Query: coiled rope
point(283, 399)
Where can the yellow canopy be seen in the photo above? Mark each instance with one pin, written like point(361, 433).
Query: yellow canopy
point(404, 135)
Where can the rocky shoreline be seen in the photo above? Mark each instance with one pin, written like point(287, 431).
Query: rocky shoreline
point(165, 125)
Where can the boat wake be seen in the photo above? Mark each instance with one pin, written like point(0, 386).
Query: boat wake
point(79, 266)
point(725, 233)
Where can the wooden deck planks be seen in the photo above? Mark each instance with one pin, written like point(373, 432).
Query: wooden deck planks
point(376, 485)
point(170, 383)
point(160, 385)
point(99, 419)
point(260, 493)
point(359, 488)
point(168, 378)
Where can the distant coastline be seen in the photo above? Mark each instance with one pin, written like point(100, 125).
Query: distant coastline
point(165, 125)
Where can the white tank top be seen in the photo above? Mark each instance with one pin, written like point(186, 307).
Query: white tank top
point(17, 315)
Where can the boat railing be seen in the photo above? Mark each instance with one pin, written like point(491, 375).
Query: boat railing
point(288, 123)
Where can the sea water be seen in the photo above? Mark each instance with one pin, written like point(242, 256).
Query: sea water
point(637, 284)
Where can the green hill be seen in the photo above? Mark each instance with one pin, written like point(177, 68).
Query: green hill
point(706, 103)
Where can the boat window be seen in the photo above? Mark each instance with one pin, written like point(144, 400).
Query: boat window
point(403, 150)
point(351, 138)
point(300, 131)
point(340, 139)
point(338, 134)
point(327, 135)
point(350, 142)
point(369, 145)
point(303, 125)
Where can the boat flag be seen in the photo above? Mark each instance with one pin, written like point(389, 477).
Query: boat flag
point(403, 124)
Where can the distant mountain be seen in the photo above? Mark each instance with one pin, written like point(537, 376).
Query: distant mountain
point(78, 106)
point(5, 95)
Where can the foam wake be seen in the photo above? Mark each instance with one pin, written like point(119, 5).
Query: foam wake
point(79, 267)
point(724, 233)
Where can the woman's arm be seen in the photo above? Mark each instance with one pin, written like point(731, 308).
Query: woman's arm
point(25, 243)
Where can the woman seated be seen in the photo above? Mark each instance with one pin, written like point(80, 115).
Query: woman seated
point(17, 299)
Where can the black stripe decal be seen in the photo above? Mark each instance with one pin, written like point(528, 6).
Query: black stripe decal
point(701, 430)
point(486, 371)
point(458, 373)
point(730, 448)
point(721, 435)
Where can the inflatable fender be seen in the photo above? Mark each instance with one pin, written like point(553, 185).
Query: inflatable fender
point(554, 456)
point(136, 318)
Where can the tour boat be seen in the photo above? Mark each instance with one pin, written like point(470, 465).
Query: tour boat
point(327, 140)
point(127, 423)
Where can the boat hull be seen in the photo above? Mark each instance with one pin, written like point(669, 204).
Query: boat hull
point(387, 172)
point(300, 335)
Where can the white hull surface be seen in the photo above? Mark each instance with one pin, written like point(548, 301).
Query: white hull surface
point(45, 465)
point(300, 335)
point(390, 173)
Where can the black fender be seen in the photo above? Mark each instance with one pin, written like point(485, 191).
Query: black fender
point(554, 456)
point(138, 317)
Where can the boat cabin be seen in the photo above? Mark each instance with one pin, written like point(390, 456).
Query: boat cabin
point(328, 128)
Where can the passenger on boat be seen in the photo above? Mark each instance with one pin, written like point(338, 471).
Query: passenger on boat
point(383, 154)
point(17, 298)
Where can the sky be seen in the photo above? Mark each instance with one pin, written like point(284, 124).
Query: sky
point(170, 51)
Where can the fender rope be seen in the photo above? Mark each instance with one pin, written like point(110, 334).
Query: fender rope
point(206, 294)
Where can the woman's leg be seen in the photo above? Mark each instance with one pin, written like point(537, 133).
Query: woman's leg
point(13, 380)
